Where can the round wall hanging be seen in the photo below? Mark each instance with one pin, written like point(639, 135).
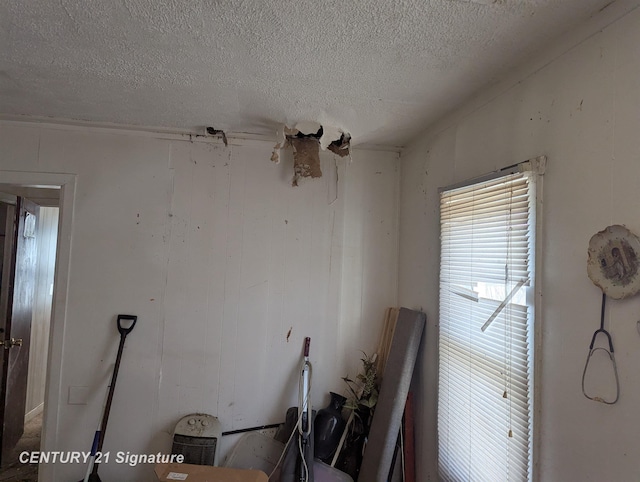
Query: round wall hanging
point(614, 259)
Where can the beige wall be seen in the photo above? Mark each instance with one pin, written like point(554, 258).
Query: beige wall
point(581, 109)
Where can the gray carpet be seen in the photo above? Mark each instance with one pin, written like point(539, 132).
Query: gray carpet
point(14, 471)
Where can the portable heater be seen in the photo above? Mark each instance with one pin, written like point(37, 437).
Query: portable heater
point(196, 437)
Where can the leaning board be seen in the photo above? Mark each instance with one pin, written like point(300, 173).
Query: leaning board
point(393, 395)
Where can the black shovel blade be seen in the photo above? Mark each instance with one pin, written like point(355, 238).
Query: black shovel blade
point(93, 477)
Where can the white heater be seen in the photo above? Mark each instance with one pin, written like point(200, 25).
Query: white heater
point(196, 437)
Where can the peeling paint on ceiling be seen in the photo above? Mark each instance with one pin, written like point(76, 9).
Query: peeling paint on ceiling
point(380, 70)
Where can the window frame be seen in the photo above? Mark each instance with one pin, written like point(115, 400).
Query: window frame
point(537, 168)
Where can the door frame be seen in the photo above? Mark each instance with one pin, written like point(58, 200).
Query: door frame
point(53, 384)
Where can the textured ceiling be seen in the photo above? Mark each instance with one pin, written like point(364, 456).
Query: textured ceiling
point(380, 69)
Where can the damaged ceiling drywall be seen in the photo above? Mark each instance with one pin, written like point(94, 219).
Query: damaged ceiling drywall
point(306, 159)
point(218, 132)
point(306, 140)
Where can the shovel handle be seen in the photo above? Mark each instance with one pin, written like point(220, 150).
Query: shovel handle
point(307, 342)
point(125, 331)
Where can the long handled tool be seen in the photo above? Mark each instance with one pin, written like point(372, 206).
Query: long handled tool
point(296, 462)
point(305, 460)
point(98, 439)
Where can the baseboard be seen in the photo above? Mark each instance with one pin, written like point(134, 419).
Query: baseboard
point(34, 413)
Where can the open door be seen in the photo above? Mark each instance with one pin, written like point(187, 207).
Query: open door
point(16, 303)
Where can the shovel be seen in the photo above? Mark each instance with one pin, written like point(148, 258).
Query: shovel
point(98, 438)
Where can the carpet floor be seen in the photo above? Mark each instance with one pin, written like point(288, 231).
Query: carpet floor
point(12, 469)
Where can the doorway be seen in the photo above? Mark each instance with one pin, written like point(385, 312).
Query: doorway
point(41, 185)
point(28, 239)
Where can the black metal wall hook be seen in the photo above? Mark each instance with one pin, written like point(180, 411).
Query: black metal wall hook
point(609, 352)
point(601, 329)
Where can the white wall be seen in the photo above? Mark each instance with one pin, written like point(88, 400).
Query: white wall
point(220, 258)
point(581, 109)
point(41, 319)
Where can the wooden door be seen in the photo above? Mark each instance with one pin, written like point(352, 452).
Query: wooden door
point(19, 285)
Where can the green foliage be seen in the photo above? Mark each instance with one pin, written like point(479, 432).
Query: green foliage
point(364, 389)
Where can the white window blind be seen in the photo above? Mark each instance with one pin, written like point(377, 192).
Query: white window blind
point(486, 330)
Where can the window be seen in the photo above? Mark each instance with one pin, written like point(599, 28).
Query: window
point(485, 389)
